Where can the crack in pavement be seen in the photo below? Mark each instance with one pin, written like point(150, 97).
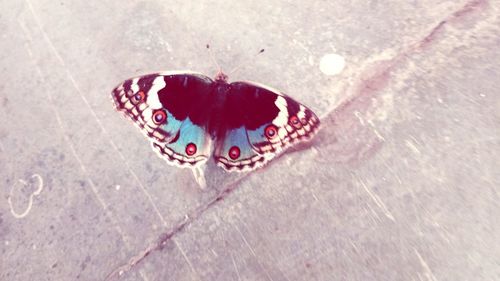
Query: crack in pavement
point(167, 236)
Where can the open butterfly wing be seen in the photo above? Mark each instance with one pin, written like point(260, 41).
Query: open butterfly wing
point(169, 108)
point(260, 123)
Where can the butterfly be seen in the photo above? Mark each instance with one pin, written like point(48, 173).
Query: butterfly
point(186, 114)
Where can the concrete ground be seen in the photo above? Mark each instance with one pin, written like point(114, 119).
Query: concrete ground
point(401, 183)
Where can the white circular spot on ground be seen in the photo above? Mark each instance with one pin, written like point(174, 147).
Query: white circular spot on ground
point(332, 64)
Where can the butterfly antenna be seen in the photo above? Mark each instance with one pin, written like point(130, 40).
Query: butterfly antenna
point(213, 58)
point(241, 64)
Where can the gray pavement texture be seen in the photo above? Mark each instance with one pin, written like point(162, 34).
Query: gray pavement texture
point(401, 183)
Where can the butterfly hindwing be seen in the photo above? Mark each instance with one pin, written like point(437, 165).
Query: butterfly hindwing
point(191, 146)
point(235, 153)
point(261, 123)
point(168, 108)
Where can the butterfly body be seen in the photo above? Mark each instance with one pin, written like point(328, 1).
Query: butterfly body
point(184, 114)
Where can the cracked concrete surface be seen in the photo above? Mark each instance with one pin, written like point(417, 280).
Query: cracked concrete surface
point(401, 183)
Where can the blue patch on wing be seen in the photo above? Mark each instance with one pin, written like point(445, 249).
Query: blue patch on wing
point(172, 126)
point(236, 153)
point(237, 137)
point(190, 133)
point(260, 142)
point(257, 135)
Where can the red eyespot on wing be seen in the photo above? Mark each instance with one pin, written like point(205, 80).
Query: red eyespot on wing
point(139, 97)
point(159, 117)
point(271, 131)
point(294, 121)
point(234, 152)
point(191, 149)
